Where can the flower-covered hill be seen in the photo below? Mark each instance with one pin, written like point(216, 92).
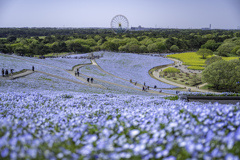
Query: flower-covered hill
point(52, 125)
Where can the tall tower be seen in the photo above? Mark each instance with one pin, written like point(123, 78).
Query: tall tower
point(210, 26)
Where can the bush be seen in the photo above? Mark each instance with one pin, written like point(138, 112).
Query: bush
point(181, 80)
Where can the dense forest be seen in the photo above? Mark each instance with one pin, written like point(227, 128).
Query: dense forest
point(41, 41)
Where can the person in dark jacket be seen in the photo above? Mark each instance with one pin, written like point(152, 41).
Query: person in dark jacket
point(2, 72)
point(6, 72)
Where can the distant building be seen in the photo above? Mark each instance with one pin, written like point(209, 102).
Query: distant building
point(140, 28)
point(210, 26)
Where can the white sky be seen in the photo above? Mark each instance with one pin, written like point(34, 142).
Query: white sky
point(222, 14)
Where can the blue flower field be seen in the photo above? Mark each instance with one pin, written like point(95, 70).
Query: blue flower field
point(43, 117)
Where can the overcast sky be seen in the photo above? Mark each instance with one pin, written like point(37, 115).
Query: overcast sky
point(222, 14)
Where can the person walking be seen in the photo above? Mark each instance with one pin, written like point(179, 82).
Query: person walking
point(2, 72)
point(6, 72)
point(78, 73)
point(91, 80)
point(33, 68)
point(11, 72)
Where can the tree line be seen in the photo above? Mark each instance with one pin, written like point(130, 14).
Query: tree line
point(40, 41)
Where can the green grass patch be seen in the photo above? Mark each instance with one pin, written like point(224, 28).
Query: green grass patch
point(173, 98)
point(22, 71)
point(47, 79)
point(196, 67)
point(189, 58)
point(51, 54)
point(229, 58)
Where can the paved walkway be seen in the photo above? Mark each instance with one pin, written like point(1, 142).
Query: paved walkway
point(15, 76)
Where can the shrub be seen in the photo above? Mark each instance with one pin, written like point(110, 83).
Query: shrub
point(181, 80)
point(175, 78)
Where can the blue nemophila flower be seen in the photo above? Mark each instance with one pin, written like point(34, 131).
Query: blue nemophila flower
point(133, 133)
point(237, 134)
point(4, 152)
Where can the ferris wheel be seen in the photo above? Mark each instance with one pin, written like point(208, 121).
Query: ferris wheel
point(119, 24)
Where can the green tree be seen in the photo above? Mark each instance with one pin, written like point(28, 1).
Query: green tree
point(222, 75)
point(143, 49)
point(152, 47)
point(11, 38)
point(213, 59)
point(204, 53)
point(225, 49)
point(174, 48)
point(74, 47)
point(211, 44)
point(235, 49)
